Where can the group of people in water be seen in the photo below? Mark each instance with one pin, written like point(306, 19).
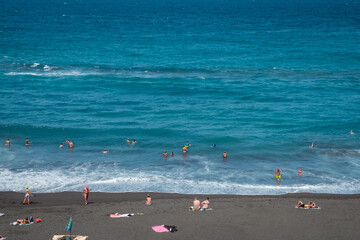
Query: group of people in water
point(277, 174)
point(69, 143)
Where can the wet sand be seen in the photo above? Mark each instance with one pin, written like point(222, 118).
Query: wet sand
point(233, 217)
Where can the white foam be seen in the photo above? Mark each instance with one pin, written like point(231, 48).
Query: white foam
point(111, 180)
point(47, 68)
point(35, 65)
point(52, 73)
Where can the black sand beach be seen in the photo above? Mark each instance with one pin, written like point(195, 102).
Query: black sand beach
point(233, 217)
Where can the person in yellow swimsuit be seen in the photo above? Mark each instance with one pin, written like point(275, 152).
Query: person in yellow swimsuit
point(277, 175)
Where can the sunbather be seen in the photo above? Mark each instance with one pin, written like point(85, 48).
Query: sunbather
point(205, 204)
point(310, 205)
point(148, 200)
point(196, 206)
point(300, 204)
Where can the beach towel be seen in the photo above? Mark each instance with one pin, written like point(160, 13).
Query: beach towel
point(206, 209)
point(119, 215)
point(160, 228)
point(15, 223)
point(315, 208)
point(126, 215)
point(73, 237)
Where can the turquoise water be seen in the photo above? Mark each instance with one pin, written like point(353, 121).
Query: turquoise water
point(261, 79)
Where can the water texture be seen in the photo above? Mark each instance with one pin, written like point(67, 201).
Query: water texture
point(262, 79)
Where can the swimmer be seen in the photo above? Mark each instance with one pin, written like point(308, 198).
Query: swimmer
point(312, 145)
point(277, 175)
point(165, 154)
point(67, 142)
point(71, 144)
point(184, 149)
point(172, 154)
point(224, 155)
point(187, 144)
point(61, 145)
point(300, 172)
point(214, 145)
point(128, 140)
point(351, 132)
point(134, 142)
point(27, 143)
point(105, 151)
point(7, 142)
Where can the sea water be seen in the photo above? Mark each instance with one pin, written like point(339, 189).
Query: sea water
point(262, 79)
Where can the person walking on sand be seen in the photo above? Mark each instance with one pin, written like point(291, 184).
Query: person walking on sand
point(148, 200)
point(27, 196)
point(277, 175)
point(86, 192)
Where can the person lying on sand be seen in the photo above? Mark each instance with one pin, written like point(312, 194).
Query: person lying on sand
point(300, 204)
point(310, 205)
point(196, 205)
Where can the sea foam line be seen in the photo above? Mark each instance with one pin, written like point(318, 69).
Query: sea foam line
point(133, 181)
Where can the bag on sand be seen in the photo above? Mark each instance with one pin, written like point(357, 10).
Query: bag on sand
point(171, 228)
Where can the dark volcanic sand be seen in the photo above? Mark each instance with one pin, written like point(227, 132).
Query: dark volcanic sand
point(233, 217)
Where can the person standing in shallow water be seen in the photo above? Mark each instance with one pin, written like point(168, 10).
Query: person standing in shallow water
point(7, 142)
point(184, 149)
point(277, 175)
point(165, 154)
point(86, 192)
point(27, 143)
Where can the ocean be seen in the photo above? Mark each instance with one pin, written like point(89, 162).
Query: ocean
point(262, 79)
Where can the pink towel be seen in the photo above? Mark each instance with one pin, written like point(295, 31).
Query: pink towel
point(160, 228)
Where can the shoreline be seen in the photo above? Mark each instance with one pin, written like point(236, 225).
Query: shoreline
point(233, 216)
point(13, 199)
